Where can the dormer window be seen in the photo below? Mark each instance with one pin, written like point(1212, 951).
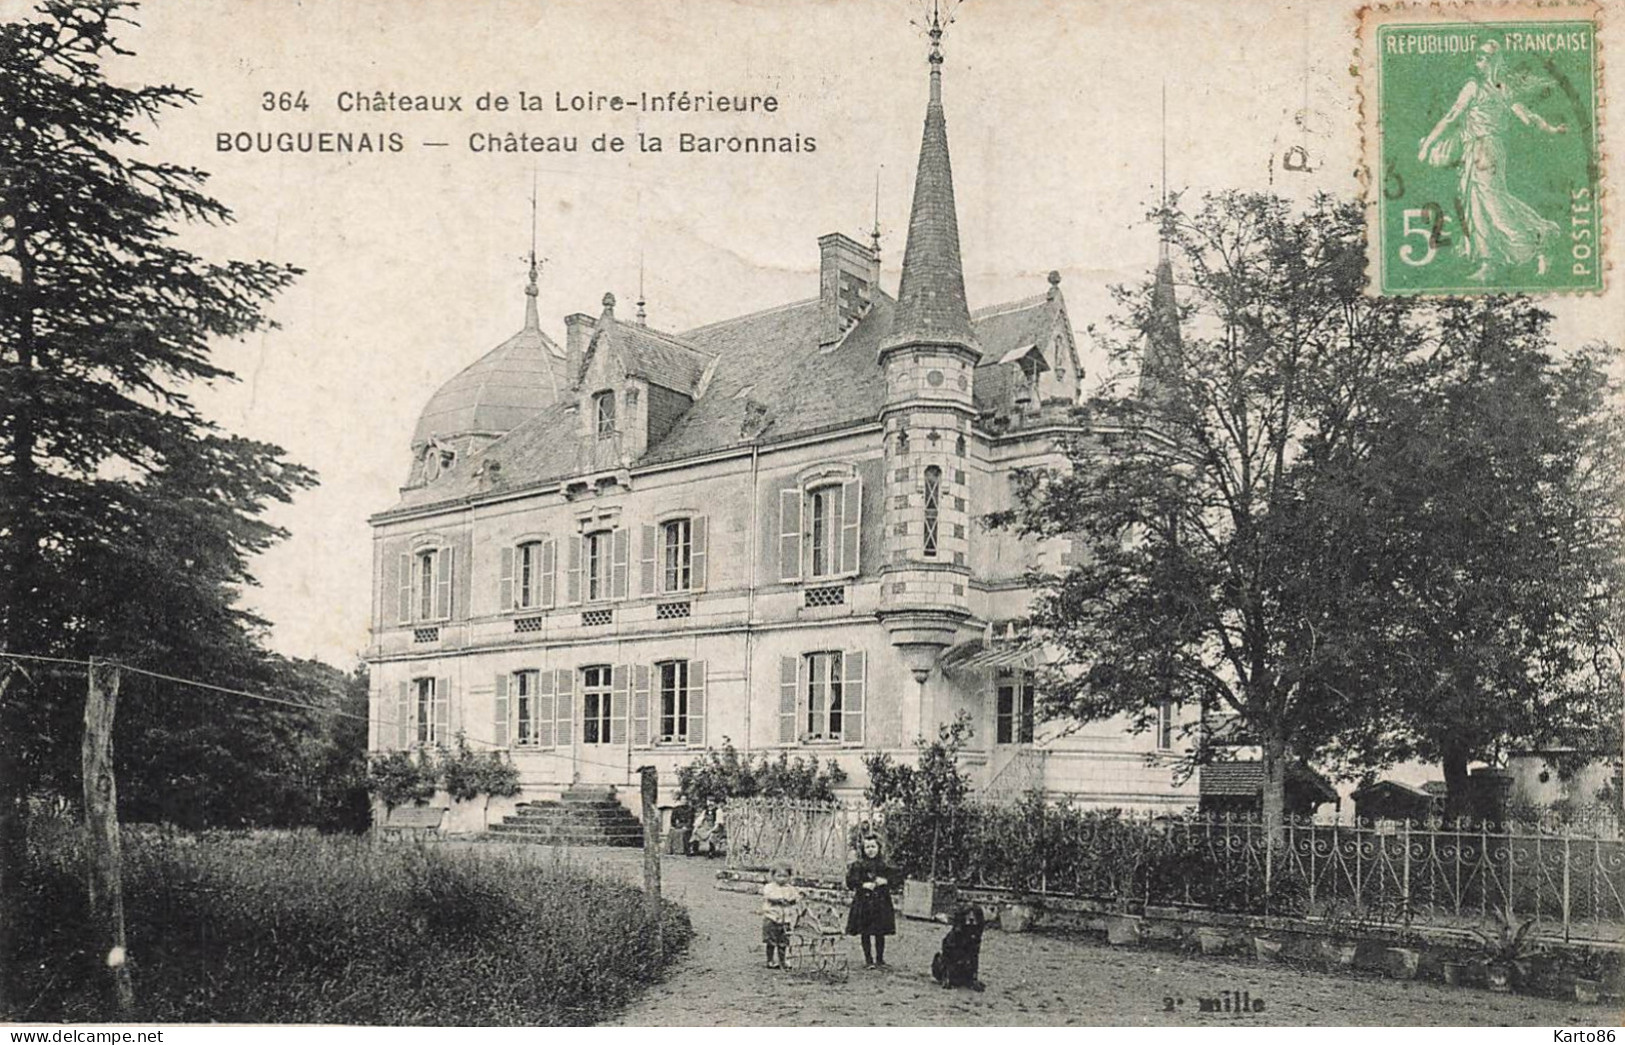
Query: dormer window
point(603, 412)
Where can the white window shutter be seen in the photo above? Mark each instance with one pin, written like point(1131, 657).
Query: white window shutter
point(550, 555)
point(500, 716)
point(574, 586)
point(404, 734)
point(697, 538)
point(621, 696)
point(853, 694)
point(641, 711)
point(442, 595)
point(790, 534)
point(565, 704)
point(442, 710)
point(404, 581)
point(647, 561)
point(622, 542)
point(543, 715)
point(505, 588)
point(696, 703)
point(789, 699)
point(851, 522)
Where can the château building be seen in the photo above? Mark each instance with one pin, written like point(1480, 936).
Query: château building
point(622, 550)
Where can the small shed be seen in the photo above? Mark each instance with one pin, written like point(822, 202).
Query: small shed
point(1392, 800)
point(1238, 788)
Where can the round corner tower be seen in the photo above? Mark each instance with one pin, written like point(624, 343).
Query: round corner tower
point(929, 361)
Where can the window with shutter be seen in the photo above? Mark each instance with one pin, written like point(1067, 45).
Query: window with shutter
point(425, 583)
point(826, 691)
point(427, 714)
point(597, 704)
point(597, 564)
point(528, 574)
point(676, 555)
point(673, 675)
point(527, 717)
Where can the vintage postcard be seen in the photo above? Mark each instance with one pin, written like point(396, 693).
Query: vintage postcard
point(941, 513)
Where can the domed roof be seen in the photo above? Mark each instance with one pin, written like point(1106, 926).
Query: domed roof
point(509, 384)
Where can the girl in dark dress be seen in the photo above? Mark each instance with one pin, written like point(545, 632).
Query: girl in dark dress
point(872, 917)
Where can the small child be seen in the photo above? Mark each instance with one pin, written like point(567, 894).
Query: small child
point(779, 901)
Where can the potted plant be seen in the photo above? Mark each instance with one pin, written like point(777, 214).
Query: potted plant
point(1505, 952)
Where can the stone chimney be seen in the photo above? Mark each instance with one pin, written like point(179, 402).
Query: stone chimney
point(578, 329)
point(848, 280)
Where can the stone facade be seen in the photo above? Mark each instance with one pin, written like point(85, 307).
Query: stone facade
point(765, 530)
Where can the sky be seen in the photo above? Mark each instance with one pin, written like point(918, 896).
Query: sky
point(414, 261)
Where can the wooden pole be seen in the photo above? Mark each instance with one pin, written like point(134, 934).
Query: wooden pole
point(101, 829)
point(651, 849)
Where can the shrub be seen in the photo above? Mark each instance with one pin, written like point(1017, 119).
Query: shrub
point(396, 778)
point(467, 774)
point(300, 928)
point(721, 775)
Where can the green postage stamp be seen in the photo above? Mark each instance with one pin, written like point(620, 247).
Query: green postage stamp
point(1482, 149)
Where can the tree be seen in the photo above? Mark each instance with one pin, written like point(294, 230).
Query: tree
point(1210, 561)
point(1492, 482)
point(121, 499)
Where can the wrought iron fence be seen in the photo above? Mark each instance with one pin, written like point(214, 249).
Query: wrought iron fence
point(1384, 873)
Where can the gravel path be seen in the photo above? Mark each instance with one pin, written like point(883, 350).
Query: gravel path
point(1032, 979)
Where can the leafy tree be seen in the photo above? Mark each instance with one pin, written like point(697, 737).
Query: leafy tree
point(128, 519)
point(1209, 565)
point(1491, 482)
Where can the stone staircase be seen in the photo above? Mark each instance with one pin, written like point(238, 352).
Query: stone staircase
point(583, 815)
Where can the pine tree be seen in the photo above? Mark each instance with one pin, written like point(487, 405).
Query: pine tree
point(127, 518)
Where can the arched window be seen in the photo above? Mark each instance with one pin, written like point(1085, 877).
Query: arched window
point(604, 412)
point(933, 501)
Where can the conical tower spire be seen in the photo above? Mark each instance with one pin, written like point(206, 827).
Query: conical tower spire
point(1160, 365)
point(931, 299)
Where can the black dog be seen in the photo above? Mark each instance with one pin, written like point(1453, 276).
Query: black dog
point(957, 964)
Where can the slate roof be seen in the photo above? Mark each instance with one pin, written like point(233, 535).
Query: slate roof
point(1002, 329)
point(1246, 779)
point(498, 391)
point(770, 382)
point(931, 298)
point(657, 357)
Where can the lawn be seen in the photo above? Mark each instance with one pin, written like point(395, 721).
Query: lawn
point(303, 928)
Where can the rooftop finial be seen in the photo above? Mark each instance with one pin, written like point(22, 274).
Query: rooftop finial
point(532, 320)
point(935, 33)
point(874, 232)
